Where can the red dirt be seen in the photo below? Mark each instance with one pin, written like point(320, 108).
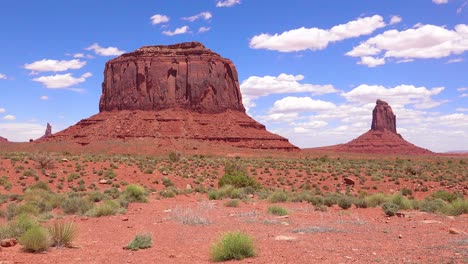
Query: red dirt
point(336, 236)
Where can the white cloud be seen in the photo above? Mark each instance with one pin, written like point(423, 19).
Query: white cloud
point(203, 29)
point(460, 9)
point(177, 31)
point(395, 20)
point(2, 110)
point(463, 95)
point(202, 15)
point(280, 117)
point(44, 97)
point(54, 65)
point(461, 89)
point(419, 97)
point(456, 60)
point(61, 80)
point(255, 87)
point(462, 109)
point(9, 117)
point(371, 61)
point(109, 51)
point(439, 2)
point(3, 76)
point(316, 38)
point(16, 132)
point(291, 104)
point(227, 3)
point(159, 19)
point(78, 55)
point(423, 42)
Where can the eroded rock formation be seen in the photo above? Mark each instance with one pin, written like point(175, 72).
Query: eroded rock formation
point(382, 137)
point(2, 139)
point(383, 118)
point(185, 75)
point(181, 94)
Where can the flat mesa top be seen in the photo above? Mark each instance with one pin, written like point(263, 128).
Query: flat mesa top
point(186, 48)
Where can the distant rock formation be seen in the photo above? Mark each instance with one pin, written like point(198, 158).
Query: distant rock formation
point(47, 133)
point(382, 137)
point(383, 118)
point(186, 75)
point(178, 94)
point(2, 139)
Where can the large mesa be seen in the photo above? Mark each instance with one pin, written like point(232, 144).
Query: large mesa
point(186, 75)
point(175, 96)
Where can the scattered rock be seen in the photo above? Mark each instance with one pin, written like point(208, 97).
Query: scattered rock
point(431, 222)
point(400, 236)
point(103, 181)
point(124, 218)
point(285, 238)
point(65, 160)
point(454, 231)
point(188, 186)
point(349, 181)
point(10, 242)
point(400, 214)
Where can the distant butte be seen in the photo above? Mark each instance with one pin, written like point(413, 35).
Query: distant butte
point(2, 139)
point(382, 138)
point(182, 94)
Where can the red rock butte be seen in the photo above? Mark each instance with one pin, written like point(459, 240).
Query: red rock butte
point(183, 92)
point(2, 139)
point(382, 138)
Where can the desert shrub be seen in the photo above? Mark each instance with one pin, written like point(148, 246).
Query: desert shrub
point(44, 160)
point(277, 210)
point(213, 195)
point(35, 239)
point(168, 193)
point(345, 202)
point(237, 193)
point(376, 199)
point(330, 200)
point(402, 202)
point(167, 182)
point(96, 196)
point(316, 200)
point(234, 166)
point(62, 234)
point(232, 203)
point(140, 242)
point(390, 208)
point(189, 216)
point(5, 183)
point(360, 202)
point(113, 193)
point(109, 207)
point(76, 205)
point(238, 179)
point(135, 193)
point(446, 196)
point(432, 205)
point(457, 207)
point(175, 156)
point(39, 185)
point(43, 199)
point(28, 208)
point(406, 192)
point(233, 245)
point(17, 227)
point(278, 197)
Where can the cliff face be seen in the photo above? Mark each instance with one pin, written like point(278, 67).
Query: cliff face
point(186, 75)
point(2, 139)
point(383, 118)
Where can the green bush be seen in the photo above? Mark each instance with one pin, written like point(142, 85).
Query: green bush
point(35, 239)
point(76, 205)
point(278, 197)
point(62, 234)
point(457, 207)
point(213, 195)
point(238, 179)
point(135, 193)
point(330, 200)
point(109, 207)
point(233, 245)
point(316, 200)
point(277, 210)
point(96, 196)
point(376, 199)
point(345, 202)
point(402, 202)
point(232, 203)
point(17, 227)
point(446, 196)
point(140, 242)
point(390, 208)
point(432, 205)
point(360, 202)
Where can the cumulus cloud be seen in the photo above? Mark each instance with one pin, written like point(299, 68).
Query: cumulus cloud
point(462, 109)
point(54, 65)
point(21, 131)
point(440, 2)
point(316, 38)
point(101, 51)
point(159, 19)
point(422, 42)
point(456, 60)
point(203, 29)
point(177, 31)
point(44, 97)
point(9, 117)
point(255, 87)
point(227, 3)
point(59, 81)
point(300, 104)
point(2, 110)
point(3, 76)
point(202, 15)
point(372, 62)
point(419, 97)
point(395, 20)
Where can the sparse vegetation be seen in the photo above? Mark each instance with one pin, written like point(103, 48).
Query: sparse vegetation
point(35, 239)
point(140, 242)
point(62, 233)
point(233, 245)
point(277, 210)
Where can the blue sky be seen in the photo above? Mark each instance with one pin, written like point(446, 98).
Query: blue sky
point(309, 70)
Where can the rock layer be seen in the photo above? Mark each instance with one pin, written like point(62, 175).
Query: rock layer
point(2, 139)
point(185, 75)
point(383, 118)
